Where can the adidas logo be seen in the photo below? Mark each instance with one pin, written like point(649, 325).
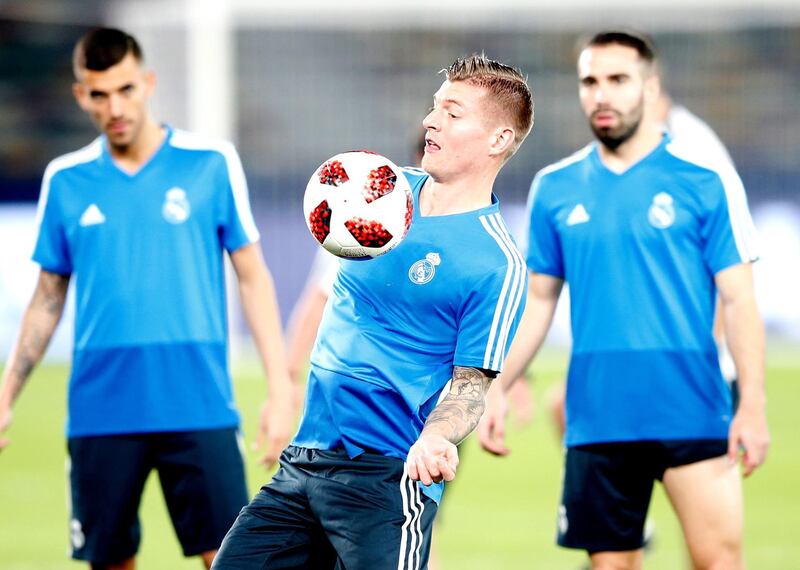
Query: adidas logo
point(92, 216)
point(578, 215)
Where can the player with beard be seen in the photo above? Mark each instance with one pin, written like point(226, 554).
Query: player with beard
point(646, 233)
point(689, 130)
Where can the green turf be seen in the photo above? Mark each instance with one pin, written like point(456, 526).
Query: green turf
point(499, 514)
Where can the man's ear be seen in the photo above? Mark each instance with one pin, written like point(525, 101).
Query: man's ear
point(652, 88)
point(502, 141)
point(150, 82)
point(79, 92)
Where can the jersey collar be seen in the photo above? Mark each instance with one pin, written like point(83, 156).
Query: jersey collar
point(652, 155)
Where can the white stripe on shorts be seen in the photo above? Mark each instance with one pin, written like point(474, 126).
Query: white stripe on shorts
point(411, 533)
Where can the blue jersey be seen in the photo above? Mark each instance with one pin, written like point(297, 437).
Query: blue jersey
point(450, 294)
point(146, 253)
point(639, 251)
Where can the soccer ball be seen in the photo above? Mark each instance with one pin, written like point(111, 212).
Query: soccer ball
point(358, 205)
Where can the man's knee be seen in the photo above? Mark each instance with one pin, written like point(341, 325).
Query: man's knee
point(723, 555)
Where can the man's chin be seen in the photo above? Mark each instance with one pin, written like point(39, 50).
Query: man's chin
point(428, 164)
point(612, 138)
point(119, 140)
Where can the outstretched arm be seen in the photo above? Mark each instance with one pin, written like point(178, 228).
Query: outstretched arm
point(260, 308)
point(744, 331)
point(38, 324)
point(434, 457)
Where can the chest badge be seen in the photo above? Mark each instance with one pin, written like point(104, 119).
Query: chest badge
point(423, 271)
point(661, 214)
point(176, 208)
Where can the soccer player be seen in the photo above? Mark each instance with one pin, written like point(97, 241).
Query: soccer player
point(690, 131)
point(141, 217)
point(646, 236)
point(408, 345)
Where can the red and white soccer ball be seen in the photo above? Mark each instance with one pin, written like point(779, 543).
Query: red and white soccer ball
point(358, 205)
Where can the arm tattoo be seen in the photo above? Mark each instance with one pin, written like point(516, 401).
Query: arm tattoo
point(458, 414)
point(38, 325)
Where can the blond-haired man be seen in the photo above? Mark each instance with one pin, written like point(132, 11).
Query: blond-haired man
point(359, 487)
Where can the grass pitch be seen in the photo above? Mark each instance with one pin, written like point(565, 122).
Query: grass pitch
point(499, 513)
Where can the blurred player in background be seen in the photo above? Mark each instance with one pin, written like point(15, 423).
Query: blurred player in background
point(359, 486)
point(141, 217)
point(646, 236)
point(695, 135)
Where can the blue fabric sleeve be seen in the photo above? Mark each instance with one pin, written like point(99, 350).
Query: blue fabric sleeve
point(720, 248)
point(544, 246)
point(52, 250)
point(237, 227)
point(490, 316)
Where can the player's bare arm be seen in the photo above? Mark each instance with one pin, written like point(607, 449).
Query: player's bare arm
point(434, 457)
point(744, 331)
point(38, 324)
point(260, 306)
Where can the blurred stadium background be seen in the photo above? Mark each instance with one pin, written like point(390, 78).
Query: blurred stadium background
point(293, 83)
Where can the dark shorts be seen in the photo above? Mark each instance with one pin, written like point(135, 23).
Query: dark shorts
point(202, 479)
point(734, 385)
point(325, 511)
point(607, 489)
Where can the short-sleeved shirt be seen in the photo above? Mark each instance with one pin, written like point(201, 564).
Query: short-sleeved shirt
point(640, 251)
point(450, 294)
point(146, 254)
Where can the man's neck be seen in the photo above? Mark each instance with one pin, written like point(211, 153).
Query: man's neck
point(642, 143)
point(457, 196)
point(132, 157)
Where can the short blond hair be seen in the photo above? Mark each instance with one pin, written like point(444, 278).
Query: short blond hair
point(505, 85)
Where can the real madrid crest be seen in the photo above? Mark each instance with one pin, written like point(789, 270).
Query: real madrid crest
point(423, 271)
point(176, 209)
point(661, 214)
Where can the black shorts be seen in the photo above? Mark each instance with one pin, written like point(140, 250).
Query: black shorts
point(607, 489)
point(324, 510)
point(202, 479)
point(734, 385)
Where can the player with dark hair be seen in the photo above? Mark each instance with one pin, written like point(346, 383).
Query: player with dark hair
point(141, 217)
point(408, 345)
point(646, 232)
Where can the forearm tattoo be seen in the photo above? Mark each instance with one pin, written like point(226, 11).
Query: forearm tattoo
point(458, 414)
point(39, 323)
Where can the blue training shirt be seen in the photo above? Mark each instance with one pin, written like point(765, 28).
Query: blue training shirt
point(146, 253)
point(639, 251)
point(451, 293)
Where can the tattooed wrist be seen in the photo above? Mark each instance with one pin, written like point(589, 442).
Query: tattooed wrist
point(459, 412)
